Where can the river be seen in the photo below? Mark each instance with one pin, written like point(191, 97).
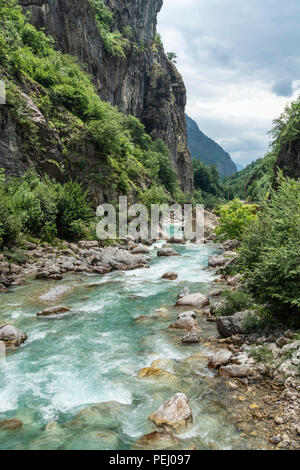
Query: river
point(74, 382)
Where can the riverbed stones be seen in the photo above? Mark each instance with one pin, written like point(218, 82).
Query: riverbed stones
point(175, 413)
point(87, 244)
point(140, 249)
point(10, 424)
point(102, 415)
point(235, 371)
point(190, 314)
point(193, 300)
point(53, 311)
point(157, 440)
point(167, 252)
point(230, 245)
point(191, 338)
point(185, 324)
point(162, 313)
point(170, 276)
point(234, 281)
point(54, 293)
point(216, 261)
point(219, 359)
point(11, 336)
point(185, 291)
point(155, 373)
point(233, 324)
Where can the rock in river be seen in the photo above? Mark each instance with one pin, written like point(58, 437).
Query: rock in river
point(170, 276)
point(187, 323)
point(191, 338)
point(184, 293)
point(194, 300)
point(11, 336)
point(232, 325)
point(235, 371)
point(190, 314)
point(157, 440)
point(167, 252)
point(221, 358)
point(175, 413)
point(11, 424)
point(53, 311)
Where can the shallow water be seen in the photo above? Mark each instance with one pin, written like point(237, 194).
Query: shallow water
point(93, 354)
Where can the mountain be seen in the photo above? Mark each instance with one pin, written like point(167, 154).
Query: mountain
point(205, 149)
point(47, 122)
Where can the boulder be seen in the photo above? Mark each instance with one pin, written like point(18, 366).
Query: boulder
point(162, 313)
point(140, 249)
point(157, 440)
point(235, 371)
point(232, 325)
point(11, 336)
point(154, 373)
point(194, 300)
point(86, 244)
point(216, 261)
point(230, 245)
point(184, 293)
point(187, 315)
point(191, 338)
point(221, 358)
point(175, 413)
point(10, 424)
point(167, 252)
point(235, 280)
point(185, 324)
point(170, 276)
point(53, 311)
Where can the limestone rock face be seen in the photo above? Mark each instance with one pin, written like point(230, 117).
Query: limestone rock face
point(289, 159)
point(145, 83)
point(175, 413)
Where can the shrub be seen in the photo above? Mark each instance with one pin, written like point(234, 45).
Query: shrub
point(235, 219)
point(270, 252)
point(236, 301)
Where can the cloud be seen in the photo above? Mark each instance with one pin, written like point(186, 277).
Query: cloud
point(240, 62)
point(283, 88)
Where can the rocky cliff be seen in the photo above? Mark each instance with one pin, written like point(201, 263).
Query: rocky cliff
point(143, 82)
point(289, 159)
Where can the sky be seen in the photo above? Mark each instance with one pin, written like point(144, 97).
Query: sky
point(240, 61)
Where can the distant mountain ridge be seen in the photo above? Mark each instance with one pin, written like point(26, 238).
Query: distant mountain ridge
point(208, 151)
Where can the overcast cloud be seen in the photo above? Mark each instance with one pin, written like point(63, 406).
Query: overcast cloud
point(240, 60)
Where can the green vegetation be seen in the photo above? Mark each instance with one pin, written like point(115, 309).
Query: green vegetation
point(235, 220)
point(208, 187)
point(43, 209)
point(270, 252)
point(255, 182)
point(262, 355)
point(233, 302)
point(172, 57)
point(64, 92)
point(114, 41)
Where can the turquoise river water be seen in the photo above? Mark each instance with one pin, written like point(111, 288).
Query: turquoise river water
point(74, 382)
